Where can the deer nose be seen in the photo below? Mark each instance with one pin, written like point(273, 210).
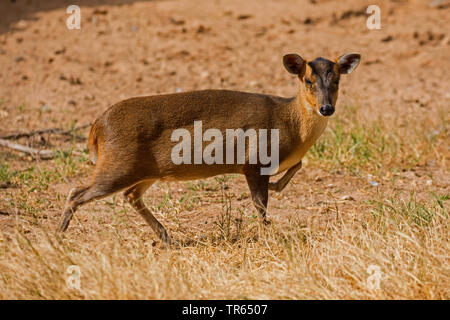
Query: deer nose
point(326, 110)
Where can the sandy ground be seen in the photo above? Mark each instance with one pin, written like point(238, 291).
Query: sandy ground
point(54, 77)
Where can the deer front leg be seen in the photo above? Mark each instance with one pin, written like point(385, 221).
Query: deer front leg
point(284, 180)
point(258, 185)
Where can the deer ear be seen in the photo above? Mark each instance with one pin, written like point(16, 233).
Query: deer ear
point(348, 62)
point(294, 63)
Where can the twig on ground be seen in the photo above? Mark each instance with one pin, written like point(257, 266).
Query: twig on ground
point(439, 3)
point(59, 131)
point(7, 184)
point(41, 154)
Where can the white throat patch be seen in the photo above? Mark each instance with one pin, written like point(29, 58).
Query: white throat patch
point(311, 109)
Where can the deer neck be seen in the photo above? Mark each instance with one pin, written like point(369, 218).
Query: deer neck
point(309, 126)
point(311, 122)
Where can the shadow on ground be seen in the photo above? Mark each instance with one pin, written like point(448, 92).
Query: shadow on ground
point(16, 10)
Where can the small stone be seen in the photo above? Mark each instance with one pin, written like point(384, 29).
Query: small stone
point(22, 24)
point(373, 183)
point(89, 96)
point(244, 16)
point(3, 114)
point(177, 22)
point(60, 51)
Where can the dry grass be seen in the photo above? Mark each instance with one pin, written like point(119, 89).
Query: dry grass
point(286, 262)
point(373, 191)
point(323, 255)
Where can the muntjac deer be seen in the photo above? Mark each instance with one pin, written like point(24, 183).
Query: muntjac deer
point(132, 143)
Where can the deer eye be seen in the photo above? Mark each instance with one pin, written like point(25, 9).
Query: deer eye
point(308, 82)
point(336, 82)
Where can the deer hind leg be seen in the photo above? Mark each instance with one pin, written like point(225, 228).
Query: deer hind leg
point(259, 189)
point(134, 198)
point(106, 181)
point(79, 196)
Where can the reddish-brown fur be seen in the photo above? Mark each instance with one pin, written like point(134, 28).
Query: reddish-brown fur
point(131, 145)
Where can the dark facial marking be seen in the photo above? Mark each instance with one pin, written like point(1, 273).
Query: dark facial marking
point(322, 67)
point(323, 72)
point(308, 82)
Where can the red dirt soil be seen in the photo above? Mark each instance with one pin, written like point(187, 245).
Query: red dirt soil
point(52, 77)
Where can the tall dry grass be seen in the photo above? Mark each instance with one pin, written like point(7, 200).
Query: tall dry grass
point(321, 257)
point(291, 261)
